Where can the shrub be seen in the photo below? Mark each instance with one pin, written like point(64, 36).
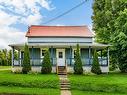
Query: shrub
point(78, 63)
point(46, 64)
point(26, 60)
point(95, 65)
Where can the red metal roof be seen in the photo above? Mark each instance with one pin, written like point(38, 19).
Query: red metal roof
point(59, 31)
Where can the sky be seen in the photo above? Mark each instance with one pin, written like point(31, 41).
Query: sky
point(17, 15)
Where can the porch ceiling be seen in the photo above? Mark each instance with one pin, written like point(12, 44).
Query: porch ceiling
point(60, 45)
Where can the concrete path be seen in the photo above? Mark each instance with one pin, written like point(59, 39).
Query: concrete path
point(65, 92)
point(65, 85)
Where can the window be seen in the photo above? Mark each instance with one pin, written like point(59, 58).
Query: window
point(60, 54)
point(43, 53)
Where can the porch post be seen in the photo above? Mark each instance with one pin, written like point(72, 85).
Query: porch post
point(89, 54)
point(108, 56)
point(52, 54)
point(70, 55)
point(19, 57)
point(101, 57)
point(32, 56)
point(12, 56)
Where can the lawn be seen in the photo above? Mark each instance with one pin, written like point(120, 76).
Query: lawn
point(105, 84)
point(5, 67)
point(46, 84)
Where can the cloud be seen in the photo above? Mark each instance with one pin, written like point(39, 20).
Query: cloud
point(11, 36)
point(33, 19)
point(13, 12)
point(25, 9)
point(59, 25)
point(6, 19)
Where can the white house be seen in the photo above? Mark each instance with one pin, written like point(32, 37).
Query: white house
point(61, 41)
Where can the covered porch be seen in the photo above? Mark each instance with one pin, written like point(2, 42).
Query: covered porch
point(61, 54)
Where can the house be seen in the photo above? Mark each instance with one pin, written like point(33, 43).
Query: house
point(61, 41)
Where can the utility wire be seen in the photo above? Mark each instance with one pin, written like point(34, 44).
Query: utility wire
point(55, 18)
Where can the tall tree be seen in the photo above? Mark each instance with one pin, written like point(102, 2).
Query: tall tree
point(26, 60)
point(109, 19)
point(46, 64)
point(95, 64)
point(105, 13)
point(120, 51)
point(78, 63)
point(9, 57)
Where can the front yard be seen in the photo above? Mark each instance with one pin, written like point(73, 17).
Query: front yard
point(46, 84)
point(106, 84)
point(5, 67)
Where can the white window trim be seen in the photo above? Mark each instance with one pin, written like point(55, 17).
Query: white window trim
point(73, 51)
point(41, 52)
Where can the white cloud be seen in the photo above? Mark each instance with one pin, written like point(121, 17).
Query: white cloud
point(59, 25)
point(33, 19)
point(11, 36)
point(6, 19)
point(26, 9)
point(25, 12)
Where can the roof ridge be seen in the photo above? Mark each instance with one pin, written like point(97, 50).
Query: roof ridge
point(58, 26)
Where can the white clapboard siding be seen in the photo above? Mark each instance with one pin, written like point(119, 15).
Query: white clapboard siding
point(49, 39)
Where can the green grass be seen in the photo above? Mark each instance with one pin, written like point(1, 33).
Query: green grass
point(29, 82)
point(106, 83)
point(37, 91)
point(5, 67)
point(78, 92)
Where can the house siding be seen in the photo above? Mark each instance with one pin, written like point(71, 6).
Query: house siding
point(55, 40)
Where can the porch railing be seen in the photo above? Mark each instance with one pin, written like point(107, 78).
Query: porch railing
point(88, 61)
point(34, 62)
point(69, 61)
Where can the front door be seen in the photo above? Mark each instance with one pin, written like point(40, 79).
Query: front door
point(61, 57)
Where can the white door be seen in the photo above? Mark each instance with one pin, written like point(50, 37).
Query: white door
point(61, 57)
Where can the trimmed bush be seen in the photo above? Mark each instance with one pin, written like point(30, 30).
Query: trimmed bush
point(26, 60)
point(78, 63)
point(95, 65)
point(46, 64)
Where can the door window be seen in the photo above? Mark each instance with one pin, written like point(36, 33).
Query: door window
point(60, 54)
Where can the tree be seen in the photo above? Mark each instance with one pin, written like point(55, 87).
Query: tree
point(120, 50)
point(78, 63)
point(9, 57)
point(46, 64)
point(95, 65)
point(109, 19)
point(3, 57)
point(26, 60)
point(105, 13)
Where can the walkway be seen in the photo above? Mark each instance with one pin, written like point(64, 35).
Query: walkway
point(64, 85)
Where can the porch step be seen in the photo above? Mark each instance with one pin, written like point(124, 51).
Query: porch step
point(62, 73)
point(62, 70)
point(64, 88)
point(64, 83)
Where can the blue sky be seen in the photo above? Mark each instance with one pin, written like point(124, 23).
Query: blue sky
point(17, 15)
point(80, 16)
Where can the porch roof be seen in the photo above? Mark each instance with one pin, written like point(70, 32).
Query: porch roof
point(61, 45)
